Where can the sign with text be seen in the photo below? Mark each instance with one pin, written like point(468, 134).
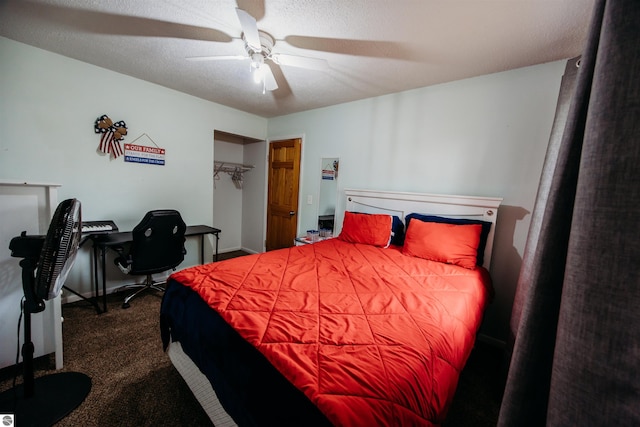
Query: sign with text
point(328, 174)
point(143, 154)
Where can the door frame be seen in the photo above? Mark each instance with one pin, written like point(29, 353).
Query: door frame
point(268, 141)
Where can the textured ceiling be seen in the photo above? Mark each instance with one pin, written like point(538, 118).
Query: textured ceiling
point(373, 47)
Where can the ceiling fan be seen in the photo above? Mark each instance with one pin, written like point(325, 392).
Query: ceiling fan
point(259, 49)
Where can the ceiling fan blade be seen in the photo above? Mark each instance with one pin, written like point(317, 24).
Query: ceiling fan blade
point(269, 79)
point(300, 61)
point(215, 58)
point(370, 48)
point(95, 22)
point(250, 29)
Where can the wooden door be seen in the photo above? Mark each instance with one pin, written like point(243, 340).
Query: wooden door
point(282, 202)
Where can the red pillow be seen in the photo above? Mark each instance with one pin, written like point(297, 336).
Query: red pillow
point(369, 229)
point(448, 243)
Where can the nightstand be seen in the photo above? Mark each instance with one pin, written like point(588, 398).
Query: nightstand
point(304, 240)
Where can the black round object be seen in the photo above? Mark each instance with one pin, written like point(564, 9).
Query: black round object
point(56, 396)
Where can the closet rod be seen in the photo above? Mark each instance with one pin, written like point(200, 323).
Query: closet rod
point(231, 164)
point(235, 170)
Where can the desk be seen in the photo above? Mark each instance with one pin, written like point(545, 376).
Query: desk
point(103, 241)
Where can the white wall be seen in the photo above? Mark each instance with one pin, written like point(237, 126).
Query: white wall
point(240, 212)
point(483, 136)
point(48, 106)
point(254, 202)
point(227, 199)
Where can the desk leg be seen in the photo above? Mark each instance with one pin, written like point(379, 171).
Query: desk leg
point(95, 274)
point(104, 280)
point(217, 238)
point(94, 300)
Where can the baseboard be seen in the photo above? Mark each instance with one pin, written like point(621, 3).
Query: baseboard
point(71, 297)
point(251, 251)
point(238, 248)
point(75, 298)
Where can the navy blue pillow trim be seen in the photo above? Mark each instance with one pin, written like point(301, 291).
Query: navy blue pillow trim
point(397, 231)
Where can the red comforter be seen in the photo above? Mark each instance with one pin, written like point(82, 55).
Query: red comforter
point(371, 336)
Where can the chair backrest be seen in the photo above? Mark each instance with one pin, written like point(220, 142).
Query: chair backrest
point(158, 242)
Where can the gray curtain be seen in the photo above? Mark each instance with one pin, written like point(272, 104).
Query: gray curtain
point(576, 319)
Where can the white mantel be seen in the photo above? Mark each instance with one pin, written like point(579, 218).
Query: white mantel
point(25, 206)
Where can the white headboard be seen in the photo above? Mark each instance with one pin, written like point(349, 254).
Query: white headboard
point(403, 203)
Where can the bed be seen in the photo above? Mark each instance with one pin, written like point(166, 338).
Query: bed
point(372, 327)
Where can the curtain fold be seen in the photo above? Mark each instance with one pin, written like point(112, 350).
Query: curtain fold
point(576, 317)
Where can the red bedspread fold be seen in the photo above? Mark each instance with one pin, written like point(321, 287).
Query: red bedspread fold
point(371, 336)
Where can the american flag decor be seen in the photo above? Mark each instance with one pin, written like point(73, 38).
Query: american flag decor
point(112, 134)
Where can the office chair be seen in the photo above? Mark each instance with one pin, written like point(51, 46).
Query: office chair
point(157, 246)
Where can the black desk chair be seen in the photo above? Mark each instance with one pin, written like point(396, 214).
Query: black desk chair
point(157, 246)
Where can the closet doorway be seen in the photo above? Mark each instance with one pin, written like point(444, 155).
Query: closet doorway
point(239, 191)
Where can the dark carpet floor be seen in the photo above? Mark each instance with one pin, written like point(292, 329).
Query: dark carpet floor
point(134, 383)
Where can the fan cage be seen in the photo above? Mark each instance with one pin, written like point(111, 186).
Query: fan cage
point(59, 249)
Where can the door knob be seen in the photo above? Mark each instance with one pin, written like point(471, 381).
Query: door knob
point(292, 213)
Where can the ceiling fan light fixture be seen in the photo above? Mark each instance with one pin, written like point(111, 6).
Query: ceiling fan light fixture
point(257, 60)
point(258, 74)
point(257, 67)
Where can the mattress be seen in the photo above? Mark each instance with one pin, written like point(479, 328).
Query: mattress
point(199, 385)
point(333, 333)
